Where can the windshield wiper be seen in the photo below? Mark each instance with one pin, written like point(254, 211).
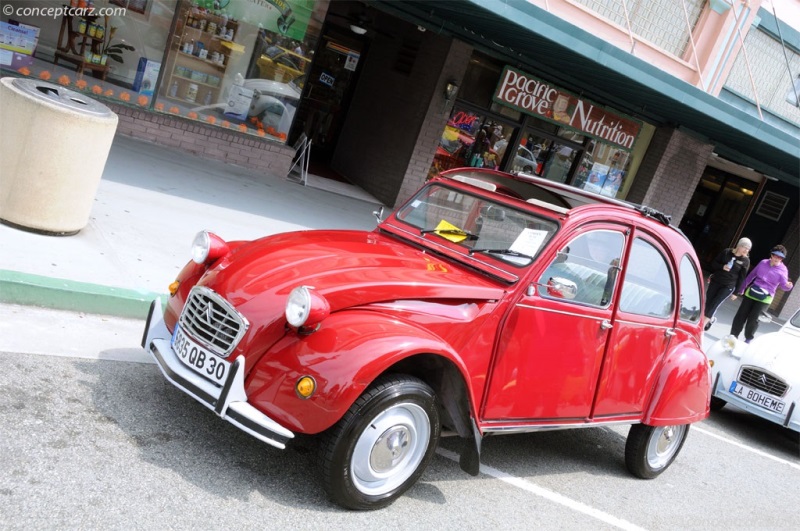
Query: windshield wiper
point(501, 251)
point(455, 232)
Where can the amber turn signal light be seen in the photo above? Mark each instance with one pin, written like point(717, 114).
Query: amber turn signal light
point(305, 386)
point(173, 288)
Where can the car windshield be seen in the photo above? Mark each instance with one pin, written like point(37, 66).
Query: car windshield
point(479, 225)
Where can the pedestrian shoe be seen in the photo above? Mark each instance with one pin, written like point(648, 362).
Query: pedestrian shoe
point(710, 324)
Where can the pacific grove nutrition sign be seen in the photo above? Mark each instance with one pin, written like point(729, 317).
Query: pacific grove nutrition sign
point(538, 98)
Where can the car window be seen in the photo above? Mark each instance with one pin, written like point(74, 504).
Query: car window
point(480, 225)
point(285, 60)
point(690, 291)
point(647, 289)
point(587, 266)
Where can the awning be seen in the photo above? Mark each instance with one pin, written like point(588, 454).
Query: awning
point(585, 64)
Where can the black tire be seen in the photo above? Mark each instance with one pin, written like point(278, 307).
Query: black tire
point(382, 445)
point(717, 403)
point(650, 450)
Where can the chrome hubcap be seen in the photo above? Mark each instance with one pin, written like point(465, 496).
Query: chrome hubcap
point(390, 449)
point(663, 445)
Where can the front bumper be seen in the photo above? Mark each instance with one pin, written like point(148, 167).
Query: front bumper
point(790, 419)
point(228, 401)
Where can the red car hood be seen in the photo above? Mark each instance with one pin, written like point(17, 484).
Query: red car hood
point(349, 267)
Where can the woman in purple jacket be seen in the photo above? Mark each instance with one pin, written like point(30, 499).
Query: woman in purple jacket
point(766, 277)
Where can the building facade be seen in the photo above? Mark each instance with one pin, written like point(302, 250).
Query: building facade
point(688, 106)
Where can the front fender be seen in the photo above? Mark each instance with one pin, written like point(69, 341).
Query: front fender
point(344, 356)
point(683, 388)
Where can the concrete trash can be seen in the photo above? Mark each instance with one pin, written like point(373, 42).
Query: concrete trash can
point(54, 143)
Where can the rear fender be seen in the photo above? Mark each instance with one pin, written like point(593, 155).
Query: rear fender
point(344, 356)
point(682, 389)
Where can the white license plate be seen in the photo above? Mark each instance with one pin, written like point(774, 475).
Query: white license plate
point(197, 358)
point(757, 397)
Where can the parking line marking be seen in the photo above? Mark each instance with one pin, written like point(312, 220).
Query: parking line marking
point(748, 448)
point(547, 494)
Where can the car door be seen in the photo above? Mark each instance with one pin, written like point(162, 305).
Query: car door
point(643, 327)
point(552, 341)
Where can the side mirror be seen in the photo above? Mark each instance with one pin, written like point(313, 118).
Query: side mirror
point(378, 214)
point(557, 287)
point(562, 288)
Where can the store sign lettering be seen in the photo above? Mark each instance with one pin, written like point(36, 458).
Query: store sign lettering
point(538, 98)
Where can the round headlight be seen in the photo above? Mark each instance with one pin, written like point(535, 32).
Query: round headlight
point(298, 306)
point(200, 247)
point(208, 247)
point(729, 343)
point(305, 308)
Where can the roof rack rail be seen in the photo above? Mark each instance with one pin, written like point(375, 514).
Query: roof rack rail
point(654, 214)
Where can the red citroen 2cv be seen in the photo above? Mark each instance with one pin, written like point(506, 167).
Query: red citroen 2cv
point(489, 303)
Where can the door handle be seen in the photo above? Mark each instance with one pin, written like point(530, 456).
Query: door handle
point(669, 332)
point(606, 324)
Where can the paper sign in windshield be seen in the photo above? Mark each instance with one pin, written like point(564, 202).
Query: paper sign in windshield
point(529, 241)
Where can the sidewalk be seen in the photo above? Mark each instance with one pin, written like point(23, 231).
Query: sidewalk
point(150, 203)
point(722, 327)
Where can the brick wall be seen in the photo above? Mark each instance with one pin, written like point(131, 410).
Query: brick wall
point(436, 117)
point(670, 172)
point(205, 141)
point(389, 108)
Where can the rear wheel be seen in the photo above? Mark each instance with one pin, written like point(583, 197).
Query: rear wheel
point(650, 450)
point(382, 444)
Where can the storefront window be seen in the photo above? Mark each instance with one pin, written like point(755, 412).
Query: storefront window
point(242, 67)
point(238, 65)
point(472, 139)
point(603, 169)
point(113, 53)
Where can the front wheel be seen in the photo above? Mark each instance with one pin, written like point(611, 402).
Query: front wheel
point(649, 450)
point(382, 444)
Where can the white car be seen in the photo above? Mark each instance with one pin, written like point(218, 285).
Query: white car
point(525, 160)
point(762, 377)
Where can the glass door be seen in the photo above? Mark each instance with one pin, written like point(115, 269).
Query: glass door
point(715, 212)
point(330, 85)
point(547, 150)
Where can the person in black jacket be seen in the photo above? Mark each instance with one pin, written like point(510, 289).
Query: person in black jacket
point(728, 271)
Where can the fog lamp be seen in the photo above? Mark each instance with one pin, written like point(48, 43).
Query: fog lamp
point(305, 386)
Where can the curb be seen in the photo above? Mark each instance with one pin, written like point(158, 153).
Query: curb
point(60, 294)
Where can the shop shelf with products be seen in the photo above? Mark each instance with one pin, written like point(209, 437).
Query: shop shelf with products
point(80, 42)
point(201, 51)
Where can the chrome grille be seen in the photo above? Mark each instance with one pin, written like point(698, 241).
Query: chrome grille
point(212, 321)
point(760, 379)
